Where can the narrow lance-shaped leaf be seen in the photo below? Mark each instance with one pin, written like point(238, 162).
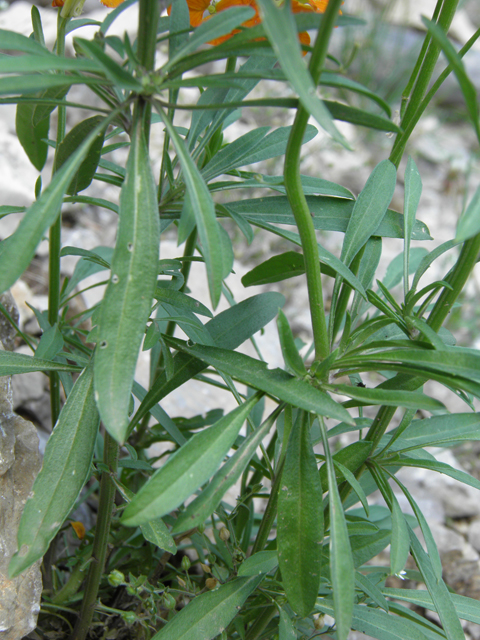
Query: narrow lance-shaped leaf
point(292, 358)
point(208, 614)
point(438, 591)
point(127, 302)
point(369, 209)
point(68, 146)
point(466, 85)
point(66, 467)
point(413, 191)
point(342, 570)
point(204, 210)
point(275, 382)
point(17, 251)
point(280, 28)
point(300, 520)
point(32, 136)
point(12, 362)
point(469, 223)
point(205, 504)
point(155, 531)
point(229, 329)
point(186, 470)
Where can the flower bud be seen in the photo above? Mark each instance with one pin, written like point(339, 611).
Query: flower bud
point(186, 563)
point(130, 617)
point(116, 578)
point(319, 622)
point(224, 534)
point(211, 583)
point(169, 601)
point(206, 568)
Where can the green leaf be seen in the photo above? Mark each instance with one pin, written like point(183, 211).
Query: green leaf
point(371, 590)
point(260, 562)
point(360, 117)
point(292, 358)
point(432, 549)
point(378, 624)
point(66, 468)
point(276, 382)
point(179, 22)
point(393, 398)
point(17, 252)
point(187, 469)
point(11, 363)
point(254, 146)
point(329, 79)
point(204, 211)
point(118, 75)
point(466, 608)
point(32, 136)
point(35, 83)
point(35, 63)
point(442, 431)
point(413, 191)
point(235, 154)
point(400, 542)
point(42, 111)
point(12, 41)
point(155, 531)
point(369, 209)
point(208, 500)
point(181, 301)
point(469, 224)
point(281, 30)
point(127, 301)
point(300, 520)
point(229, 329)
point(51, 343)
point(71, 143)
point(285, 626)
point(434, 465)
point(438, 591)
point(291, 264)
point(208, 614)
point(342, 572)
point(456, 63)
point(218, 25)
point(328, 214)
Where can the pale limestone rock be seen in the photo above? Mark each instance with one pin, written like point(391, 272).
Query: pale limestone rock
point(19, 465)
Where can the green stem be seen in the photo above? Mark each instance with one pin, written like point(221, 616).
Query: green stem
point(258, 627)
point(296, 197)
point(55, 238)
point(100, 542)
point(422, 79)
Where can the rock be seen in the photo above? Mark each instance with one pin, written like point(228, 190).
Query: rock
point(19, 465)
point(474, 534)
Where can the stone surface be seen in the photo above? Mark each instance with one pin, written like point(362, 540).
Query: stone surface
point(19, 465)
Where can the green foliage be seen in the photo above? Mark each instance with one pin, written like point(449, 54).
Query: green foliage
point(191, 552)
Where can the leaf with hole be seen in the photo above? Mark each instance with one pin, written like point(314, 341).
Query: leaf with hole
point(127, 301)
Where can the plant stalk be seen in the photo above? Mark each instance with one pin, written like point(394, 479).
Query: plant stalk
point(100, 542)
point(296, 197)
point(55, 237)
point(421, 79)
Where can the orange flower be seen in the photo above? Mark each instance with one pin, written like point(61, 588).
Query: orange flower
point(226, 4)
point(107, 3)
point(198, 8)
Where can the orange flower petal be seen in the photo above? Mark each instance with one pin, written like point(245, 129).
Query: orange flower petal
point(57, 3)
point(78, 526)
point(111, 3)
